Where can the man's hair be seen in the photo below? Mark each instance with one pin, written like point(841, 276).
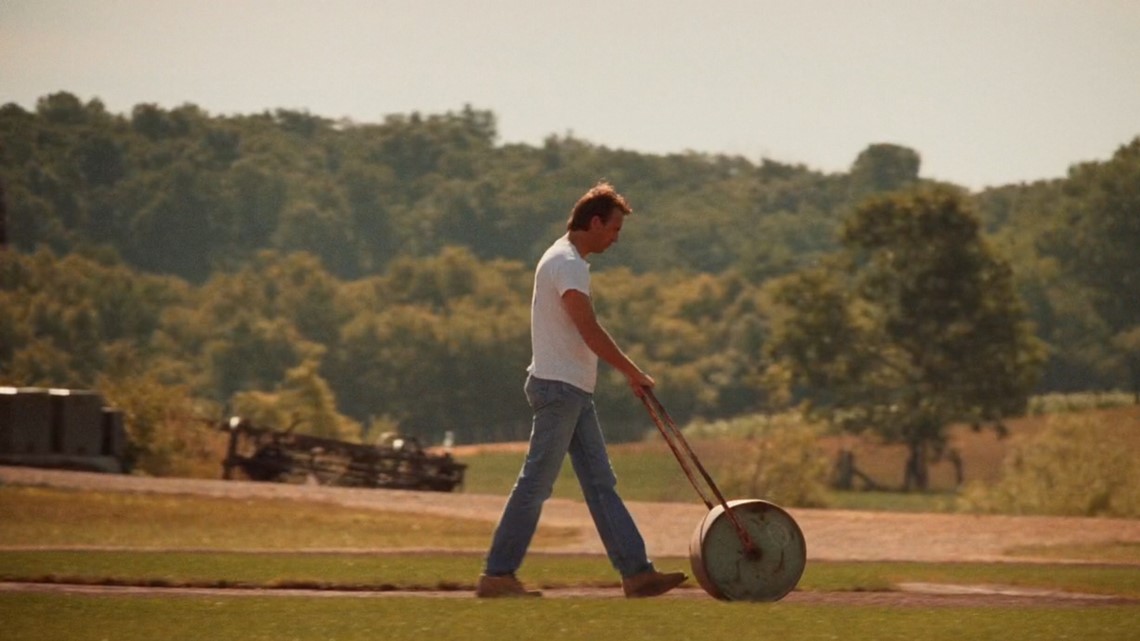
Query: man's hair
point(601, 201)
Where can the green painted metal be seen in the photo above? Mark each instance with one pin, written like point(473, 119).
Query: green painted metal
point(727, 571)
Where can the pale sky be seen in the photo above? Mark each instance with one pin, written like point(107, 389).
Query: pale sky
point(989, 92)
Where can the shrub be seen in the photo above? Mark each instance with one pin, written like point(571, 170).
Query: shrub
point(170, 433)
point(1051, 404)
point(747, 426)
point(780, 460)
point(1077, 466)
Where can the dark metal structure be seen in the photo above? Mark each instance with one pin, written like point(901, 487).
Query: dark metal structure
point(398, 462)
point(61, 428)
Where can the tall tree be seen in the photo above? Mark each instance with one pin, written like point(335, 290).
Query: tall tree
point(913, 326)
point(3, 218)
point(883, 167)
point(1098, 246)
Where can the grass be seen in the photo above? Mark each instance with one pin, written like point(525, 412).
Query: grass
point(44, 617)
point(409, 571)
point(216, 529)
point(425, 571)
point(198, 540)
point(647, 470)
point(645, 473)
point(982, 451)
point(42, 516)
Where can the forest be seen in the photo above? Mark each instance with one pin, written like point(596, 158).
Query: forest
point(356, 278)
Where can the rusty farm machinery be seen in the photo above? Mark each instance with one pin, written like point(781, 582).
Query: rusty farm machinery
point(284, 456)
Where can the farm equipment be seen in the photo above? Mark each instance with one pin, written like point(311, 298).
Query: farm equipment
point(742, 550)
point(284, 456)
point(71, 429)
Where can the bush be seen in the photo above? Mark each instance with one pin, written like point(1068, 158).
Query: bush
point(746, 427)
point(780, 460)
point(1076, 466)
point(170, 433)
point(1051, 404)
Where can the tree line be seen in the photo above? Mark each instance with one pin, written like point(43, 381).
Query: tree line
point(381, 271)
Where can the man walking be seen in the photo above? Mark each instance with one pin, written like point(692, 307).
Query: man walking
point(566, 342)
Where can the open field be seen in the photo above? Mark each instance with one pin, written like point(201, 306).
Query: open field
point(836, 535)
point(447, 572)
point(304, 617)
point(647, 470)
point(88, 556)
point(143, 537)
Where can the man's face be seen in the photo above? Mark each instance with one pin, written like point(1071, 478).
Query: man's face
point(607, 233)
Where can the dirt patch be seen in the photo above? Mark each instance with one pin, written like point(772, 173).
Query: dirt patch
point(833, 535)
point(913, 596)
point(510, 447)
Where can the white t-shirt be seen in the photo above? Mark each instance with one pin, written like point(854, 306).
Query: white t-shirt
point(559, 353)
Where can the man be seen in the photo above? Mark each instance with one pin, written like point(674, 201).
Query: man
point(566, 342)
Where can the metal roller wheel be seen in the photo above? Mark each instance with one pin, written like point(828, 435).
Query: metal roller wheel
point(728, 571)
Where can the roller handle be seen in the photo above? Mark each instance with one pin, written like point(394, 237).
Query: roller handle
point(673, 436)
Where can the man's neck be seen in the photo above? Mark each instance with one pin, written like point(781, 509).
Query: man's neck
point(578, 240)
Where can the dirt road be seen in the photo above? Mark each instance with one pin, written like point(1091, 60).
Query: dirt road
point(831, 534)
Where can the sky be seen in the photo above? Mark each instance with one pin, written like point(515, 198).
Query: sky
point(988, 92)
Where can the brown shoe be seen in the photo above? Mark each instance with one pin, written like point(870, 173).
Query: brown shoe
point(651, 583)
point(492, 587)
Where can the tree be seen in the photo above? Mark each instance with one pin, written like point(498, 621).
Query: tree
point(303, 401)
point(255, 353)
point(365, 186)
point(1128, 345)
point(1098, 247)
point(172, 233)
point(61, 319)
point(3, 218)
point(912, 326)
point(255, 195)
point(882, 168)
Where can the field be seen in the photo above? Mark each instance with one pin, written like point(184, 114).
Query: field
point(648, 472)
point(218, 618)
point(85, 556)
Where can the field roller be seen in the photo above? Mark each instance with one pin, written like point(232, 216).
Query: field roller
point(742, 550)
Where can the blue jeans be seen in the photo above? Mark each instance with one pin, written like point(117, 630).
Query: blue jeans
point(565, 421)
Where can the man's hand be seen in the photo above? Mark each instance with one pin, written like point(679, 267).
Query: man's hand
point(639, 382)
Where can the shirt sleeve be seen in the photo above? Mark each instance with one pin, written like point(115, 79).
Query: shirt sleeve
point(573, 274)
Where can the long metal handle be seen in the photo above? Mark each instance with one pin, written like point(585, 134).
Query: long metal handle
point(673, 436)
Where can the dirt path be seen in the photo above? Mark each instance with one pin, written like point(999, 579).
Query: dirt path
point(913, 595)
point(836, 535)
point(831, 535)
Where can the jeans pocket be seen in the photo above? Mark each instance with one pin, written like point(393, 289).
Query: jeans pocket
point(541, 393)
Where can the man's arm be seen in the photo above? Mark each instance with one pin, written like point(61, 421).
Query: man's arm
point(581, 310)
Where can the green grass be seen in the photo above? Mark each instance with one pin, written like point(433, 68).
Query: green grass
point(193, 542)
point(43, 617)
point(376, 571)
point(862, 576)
point(643, 475)
point(43, 516)
point(652, 474)
point(458, 571)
